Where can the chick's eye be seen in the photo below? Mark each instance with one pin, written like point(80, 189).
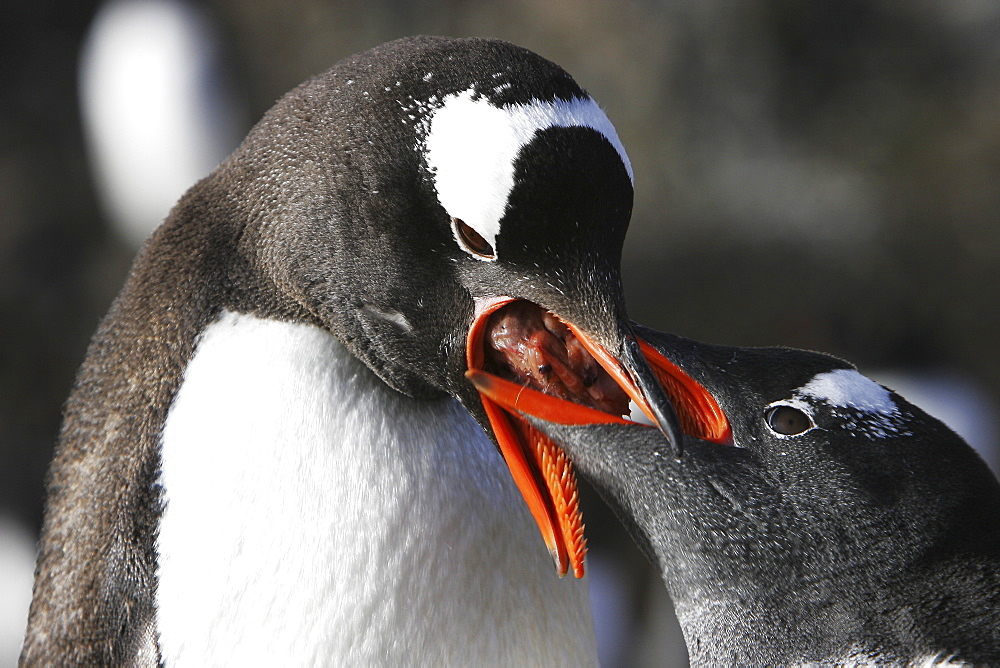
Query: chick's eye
point(472, 240)
point(788, 421)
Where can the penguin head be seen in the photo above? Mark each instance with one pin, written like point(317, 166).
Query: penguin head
point(846, 452)
point(416, 193)
point(830, 496)
point(416, 178)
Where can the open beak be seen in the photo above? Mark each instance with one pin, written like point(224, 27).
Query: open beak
point(669, 398)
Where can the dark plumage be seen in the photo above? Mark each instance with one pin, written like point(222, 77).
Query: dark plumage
point(327, 226)
point(867, 532)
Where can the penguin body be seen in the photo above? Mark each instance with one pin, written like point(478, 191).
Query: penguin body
point(839, 523)
point(278, 562)
point(271, 452)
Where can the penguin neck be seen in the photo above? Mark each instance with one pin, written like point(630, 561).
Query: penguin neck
point(312, 512)
point(749, 627)
point(867, 630)
point(783, 598)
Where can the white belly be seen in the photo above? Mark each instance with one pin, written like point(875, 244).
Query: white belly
point(314, 516)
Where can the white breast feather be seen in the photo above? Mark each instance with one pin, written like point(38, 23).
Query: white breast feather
point(314, 516)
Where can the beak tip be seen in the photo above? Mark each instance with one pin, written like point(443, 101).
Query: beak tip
point(563, 566)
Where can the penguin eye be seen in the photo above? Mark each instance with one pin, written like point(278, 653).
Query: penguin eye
point(472, 240)
point(788, 421)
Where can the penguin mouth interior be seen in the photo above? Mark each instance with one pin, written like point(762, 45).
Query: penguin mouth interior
point(530, 346)
point(525, 359)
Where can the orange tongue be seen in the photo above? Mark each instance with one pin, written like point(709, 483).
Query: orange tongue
point(534, 466)
point(559, 518)
point(557, 472)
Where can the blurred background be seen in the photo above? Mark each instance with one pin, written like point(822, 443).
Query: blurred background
point(823, 175)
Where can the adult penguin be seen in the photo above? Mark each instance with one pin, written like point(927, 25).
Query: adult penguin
point(815, 517)
point(263, 459)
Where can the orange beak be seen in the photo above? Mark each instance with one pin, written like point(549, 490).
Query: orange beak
point(541, 471)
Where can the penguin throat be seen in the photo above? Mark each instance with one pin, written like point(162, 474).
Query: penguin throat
point(525, 361)
point(524, 347)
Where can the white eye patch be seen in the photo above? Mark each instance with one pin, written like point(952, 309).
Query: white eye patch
point(847, 388)
point(471, 147)
point(865, 406)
